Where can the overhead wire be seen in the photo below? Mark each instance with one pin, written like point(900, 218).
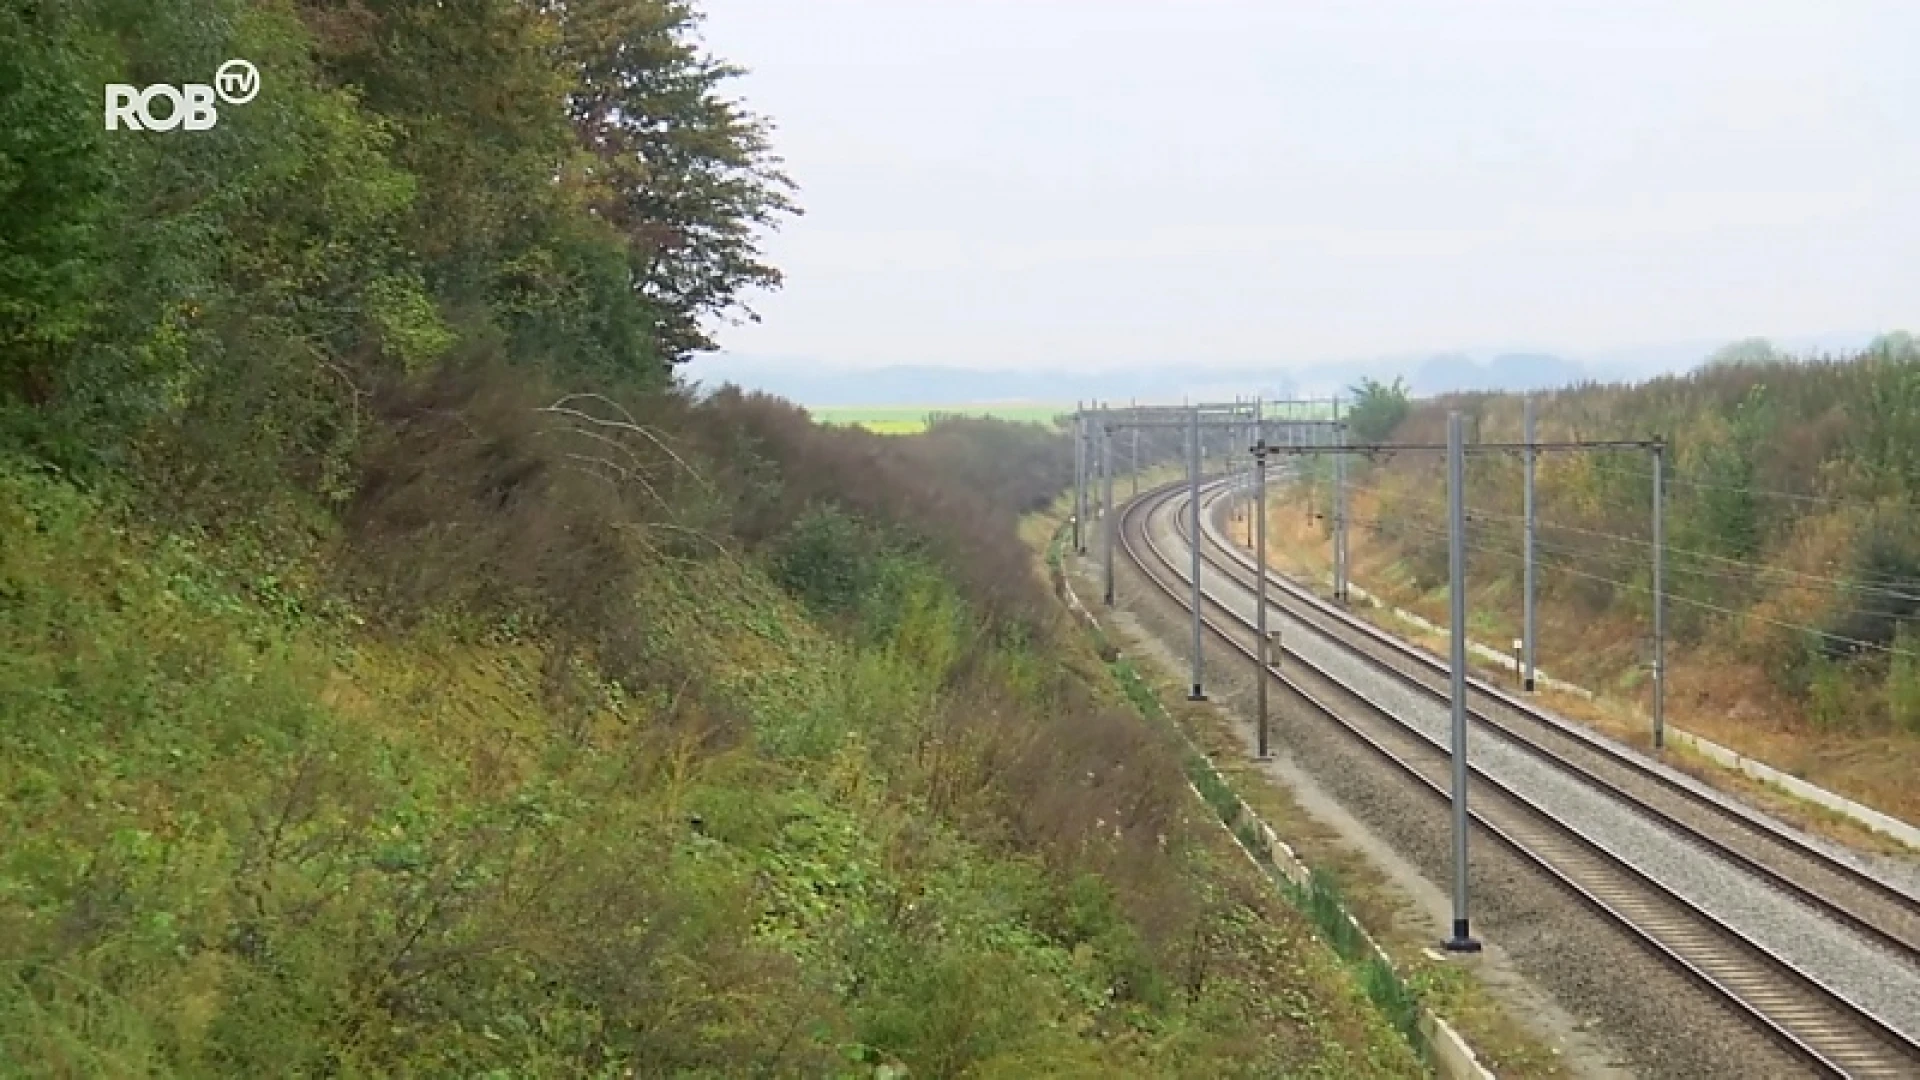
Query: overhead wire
point(1889, 586)
point(1622, 563)
point(1745, 489)
point(1376, 526)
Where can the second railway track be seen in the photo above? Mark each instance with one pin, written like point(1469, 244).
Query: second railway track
point(1832, 1034)
point(1848, 894)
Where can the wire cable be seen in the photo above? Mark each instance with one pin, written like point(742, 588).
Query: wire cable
point(1892, 587)
point(1376, 526)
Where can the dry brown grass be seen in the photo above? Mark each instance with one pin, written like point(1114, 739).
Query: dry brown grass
point(1729, 701)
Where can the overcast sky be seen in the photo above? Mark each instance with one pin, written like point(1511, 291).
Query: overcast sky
point(1108, 183)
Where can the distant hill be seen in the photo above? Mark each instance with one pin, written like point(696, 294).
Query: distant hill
point(810, 381)
point(1508, 371)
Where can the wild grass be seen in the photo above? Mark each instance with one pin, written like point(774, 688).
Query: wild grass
point(1217, 767)
point(832, 795)
point(1319, 900)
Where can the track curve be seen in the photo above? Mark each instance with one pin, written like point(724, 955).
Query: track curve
point(1832, 1035)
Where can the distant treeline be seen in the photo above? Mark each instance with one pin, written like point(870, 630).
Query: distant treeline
point(1793, 514)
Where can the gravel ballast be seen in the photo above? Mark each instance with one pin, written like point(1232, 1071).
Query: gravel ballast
point(1660, 1022)
point(1859, 970)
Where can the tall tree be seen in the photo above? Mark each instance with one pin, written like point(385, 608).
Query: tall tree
point(686, 174)
point(1378, 408)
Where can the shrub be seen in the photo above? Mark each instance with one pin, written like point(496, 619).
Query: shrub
point(1903, 680)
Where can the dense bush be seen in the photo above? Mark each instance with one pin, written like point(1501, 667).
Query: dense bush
point(1793, 513)
point(564, 188)
point(401, 675)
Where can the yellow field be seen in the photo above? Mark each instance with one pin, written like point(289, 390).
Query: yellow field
point(912, 419)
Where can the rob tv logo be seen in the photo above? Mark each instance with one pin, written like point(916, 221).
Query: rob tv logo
point(191, 106)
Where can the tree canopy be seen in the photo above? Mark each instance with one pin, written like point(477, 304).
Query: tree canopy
point(1378, 408)
point(416, 187)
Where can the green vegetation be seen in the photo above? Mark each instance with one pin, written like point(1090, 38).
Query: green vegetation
point(1794, 531)
point(911, 420)
point(1378, 408)
point(401, 675)
point(1319, 899)
point(819, 810)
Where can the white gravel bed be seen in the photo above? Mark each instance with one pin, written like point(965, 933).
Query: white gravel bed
point(1901, 873)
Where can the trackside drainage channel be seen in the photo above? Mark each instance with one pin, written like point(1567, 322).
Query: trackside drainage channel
point(1313, 893)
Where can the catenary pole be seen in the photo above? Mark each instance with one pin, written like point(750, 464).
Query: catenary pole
point(1193, 525)
point(1462, 940)
point(1106, 500)
point(1339, 507)
point(1527, 631)
point(1079, 476)
point(1239, 466)
point(1225, 471)
point(1091, 472)
point(1259, 437)
point(1659, 597)
point(1308, 437)
point(1093, 475)
point(1136, 454)
point(1260, 588)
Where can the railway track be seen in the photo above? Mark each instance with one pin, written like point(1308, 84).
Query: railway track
point(1844, 892)
point(1832, 1035)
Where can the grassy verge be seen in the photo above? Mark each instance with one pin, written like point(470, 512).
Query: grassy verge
point(1504, 1045)
point(1343, 880)
point(1319, 899)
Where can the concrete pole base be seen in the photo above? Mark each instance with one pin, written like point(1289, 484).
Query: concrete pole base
point(1461, 941)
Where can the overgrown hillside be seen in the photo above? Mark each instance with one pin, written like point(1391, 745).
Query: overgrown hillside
point(808, 807)
point(1794, 549)
point(400, 675)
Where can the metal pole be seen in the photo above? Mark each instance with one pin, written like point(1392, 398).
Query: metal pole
point(1339, 509)
point(1659, 597)
point(1260, 438)
point(1136, 454)
point(1527, 625)
point(1260, 588)
point(1308, 437)
point(1241, 473)
point(1106, 510)
point(1461, 941)
point(1093, 477)
point(1229, 462)
point(1193, 525)
point(1079, 477)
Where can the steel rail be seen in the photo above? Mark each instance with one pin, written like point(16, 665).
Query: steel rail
point(1901, 937)
point(1832, 1035)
